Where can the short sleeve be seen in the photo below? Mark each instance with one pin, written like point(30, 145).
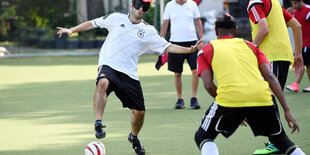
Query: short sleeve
point(196, 11)
point(256, 13)
point(157, 43)
point(204, 59)
point(104, 21)
point(166, 15)
point(287, 15)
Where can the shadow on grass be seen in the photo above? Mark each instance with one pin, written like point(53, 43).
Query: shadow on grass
point(69, 60)
point(57, 118)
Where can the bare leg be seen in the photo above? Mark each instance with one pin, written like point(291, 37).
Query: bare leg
point(178, 84)
point(299, 76)
point(195, 81)
point(137, 120)
point(308, 72)
point(100, 98)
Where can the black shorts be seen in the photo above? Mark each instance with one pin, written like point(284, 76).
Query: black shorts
point(175, 61)
point(306, 55)
point(263, 121)
point(128, 90)
point(280, 70)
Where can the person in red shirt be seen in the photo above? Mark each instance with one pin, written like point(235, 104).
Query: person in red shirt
point(271, 35)
point(302, 14)
point(240, 92)
point(258, 11)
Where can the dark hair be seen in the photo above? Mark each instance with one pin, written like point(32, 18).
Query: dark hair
point(296, 0)
point(225, 21)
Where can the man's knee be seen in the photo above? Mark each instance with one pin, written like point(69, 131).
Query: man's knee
point(200, 138)
point(139, 113)
point(282, 142)
point(178, 74)
point(194, 71)
point(102, 84)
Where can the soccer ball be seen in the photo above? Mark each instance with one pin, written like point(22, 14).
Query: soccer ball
point(95, 148)
point(3, 51)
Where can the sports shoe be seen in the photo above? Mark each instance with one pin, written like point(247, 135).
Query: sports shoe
point(180, 104)
point(306, 90)
point(99, 132)
point(136, 145)
point(194, 103)
point(293, 87)
point(270, 149)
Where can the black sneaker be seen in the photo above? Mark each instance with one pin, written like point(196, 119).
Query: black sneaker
point(194, 103)
point(136, 145)
point(180, 104)
point(99, 132)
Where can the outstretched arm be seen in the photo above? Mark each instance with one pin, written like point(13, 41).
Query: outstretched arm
point(276, 89)
point(296, 27)
point(180, 49)
point(81, 27)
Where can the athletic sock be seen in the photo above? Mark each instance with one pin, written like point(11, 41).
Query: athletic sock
point(98, 121)
point(209, 148)
point(132, 136)
point(297, 151)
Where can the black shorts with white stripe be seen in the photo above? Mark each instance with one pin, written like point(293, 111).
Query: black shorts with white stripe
point(128, 90)
point(263, 121)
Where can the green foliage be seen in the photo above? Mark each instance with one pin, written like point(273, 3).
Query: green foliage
point(32, 17)
point(47, 13)
point(5, 13)
point(149, 17)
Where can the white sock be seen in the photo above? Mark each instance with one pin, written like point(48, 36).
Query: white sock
point(297, 151)
point(209, 148)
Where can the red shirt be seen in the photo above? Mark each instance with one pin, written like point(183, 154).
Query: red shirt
point(303, 17)
point(258, 9)
point(205, 55)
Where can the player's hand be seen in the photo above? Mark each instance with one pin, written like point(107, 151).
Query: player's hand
point(291, 122)
point(198, 45)
point(64, 30)
point(298, 64)
point(201, 45)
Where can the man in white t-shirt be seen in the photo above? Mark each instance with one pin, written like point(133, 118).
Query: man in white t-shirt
point(129, 37)
point(184, 20)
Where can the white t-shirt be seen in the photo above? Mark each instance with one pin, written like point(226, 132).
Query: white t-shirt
point(126, 42)
point(182, 25)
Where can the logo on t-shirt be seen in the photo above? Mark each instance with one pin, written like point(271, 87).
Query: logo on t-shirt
point(140, 33)
point(102, 74)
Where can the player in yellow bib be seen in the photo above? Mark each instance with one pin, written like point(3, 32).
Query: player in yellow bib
point(269, 21)
point(241, 92)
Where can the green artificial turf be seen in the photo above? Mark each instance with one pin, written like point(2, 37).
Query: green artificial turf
point(46, 108)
